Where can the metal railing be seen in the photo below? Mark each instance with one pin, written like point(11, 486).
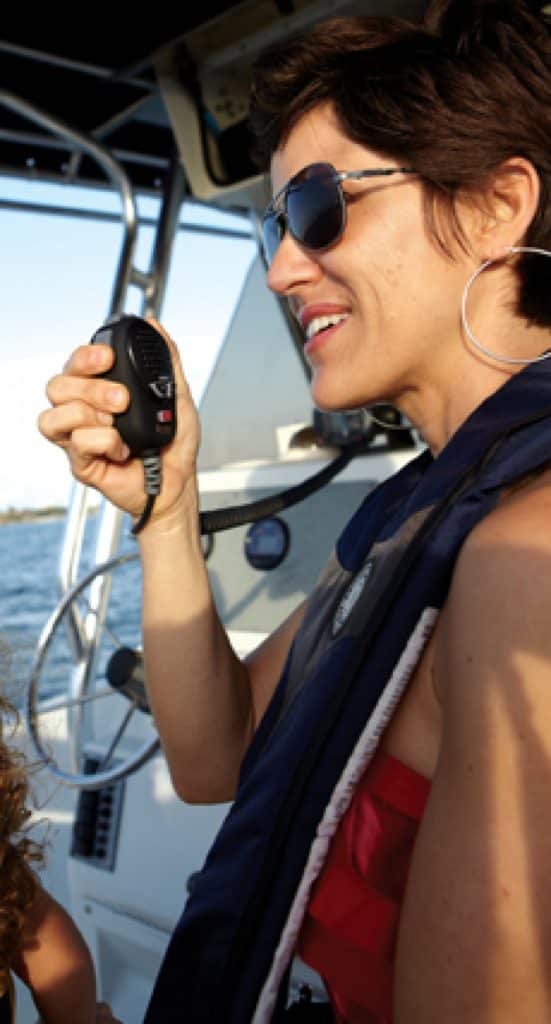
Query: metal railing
point(84, 631)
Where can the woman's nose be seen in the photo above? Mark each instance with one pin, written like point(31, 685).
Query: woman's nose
point(291, 266)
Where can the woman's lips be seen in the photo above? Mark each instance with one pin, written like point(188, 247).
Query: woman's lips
point(317, 341)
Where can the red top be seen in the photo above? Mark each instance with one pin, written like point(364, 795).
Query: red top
point(351, 925)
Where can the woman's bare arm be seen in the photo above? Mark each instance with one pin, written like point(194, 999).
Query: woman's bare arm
point(206, 702)
point(475, 936)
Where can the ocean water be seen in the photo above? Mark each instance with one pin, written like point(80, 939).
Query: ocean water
point(29, 559)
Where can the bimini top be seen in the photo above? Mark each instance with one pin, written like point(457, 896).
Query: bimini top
point(136, 87)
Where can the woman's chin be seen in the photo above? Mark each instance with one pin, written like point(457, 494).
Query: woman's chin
point(327, 397)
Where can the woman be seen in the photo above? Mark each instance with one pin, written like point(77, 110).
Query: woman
point(39, 942)
point(390, 817)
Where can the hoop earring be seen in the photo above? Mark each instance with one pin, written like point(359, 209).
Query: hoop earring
point(512, 250)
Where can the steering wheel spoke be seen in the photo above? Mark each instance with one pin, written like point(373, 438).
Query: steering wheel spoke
point(117, 737)
point(46, 707)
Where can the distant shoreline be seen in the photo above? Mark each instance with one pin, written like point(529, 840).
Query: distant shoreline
point(26, 515)
point(30, 515)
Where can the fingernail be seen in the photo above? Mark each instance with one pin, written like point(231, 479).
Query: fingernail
point(105, 418)
point(125, 453)
point(97, 357)
point(115, 396)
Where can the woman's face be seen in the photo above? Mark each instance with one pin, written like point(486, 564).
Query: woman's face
point(398, 293)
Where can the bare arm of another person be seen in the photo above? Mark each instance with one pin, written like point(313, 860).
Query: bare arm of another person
point(206, 701)
point(56, 965)
point(475, 936)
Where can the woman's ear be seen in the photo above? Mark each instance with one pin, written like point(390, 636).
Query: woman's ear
point(507, 207)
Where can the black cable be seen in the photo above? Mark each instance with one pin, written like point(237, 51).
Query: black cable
point(237, 515)
point(148, 508)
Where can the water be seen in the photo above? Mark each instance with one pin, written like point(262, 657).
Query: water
point(29, 558)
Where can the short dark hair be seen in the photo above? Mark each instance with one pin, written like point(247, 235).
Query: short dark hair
point(454, 98)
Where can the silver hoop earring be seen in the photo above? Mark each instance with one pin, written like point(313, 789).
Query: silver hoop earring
point(513, 250)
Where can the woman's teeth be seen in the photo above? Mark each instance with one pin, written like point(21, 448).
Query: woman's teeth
point(320, 323)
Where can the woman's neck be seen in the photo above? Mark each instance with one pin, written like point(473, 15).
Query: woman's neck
point(452, 387)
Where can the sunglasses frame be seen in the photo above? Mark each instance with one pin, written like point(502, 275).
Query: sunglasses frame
point(278, 206)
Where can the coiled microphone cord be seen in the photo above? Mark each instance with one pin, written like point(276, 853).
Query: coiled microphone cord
point(152, 471)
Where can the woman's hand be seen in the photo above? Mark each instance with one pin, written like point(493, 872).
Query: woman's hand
point(81, 421)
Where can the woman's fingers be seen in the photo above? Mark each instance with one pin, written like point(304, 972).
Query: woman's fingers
point(89, 360)
point(99, 458)
point(81, 403)
point(58, 423)
point(90, 443)
point(101, 394)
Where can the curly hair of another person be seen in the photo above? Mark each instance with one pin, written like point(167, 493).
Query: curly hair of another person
point(18, 883)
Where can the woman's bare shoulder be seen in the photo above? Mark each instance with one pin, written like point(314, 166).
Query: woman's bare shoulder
point(522, 517)
point(495, 634)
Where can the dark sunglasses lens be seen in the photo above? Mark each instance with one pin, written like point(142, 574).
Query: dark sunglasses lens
point(272, 233)
point(314, 207)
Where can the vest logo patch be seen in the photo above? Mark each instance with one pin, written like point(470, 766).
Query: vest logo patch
point(352, 595)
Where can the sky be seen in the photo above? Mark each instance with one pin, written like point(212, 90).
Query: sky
point(56, 275)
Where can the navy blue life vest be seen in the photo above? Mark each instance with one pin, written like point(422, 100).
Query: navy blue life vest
point(361, 639)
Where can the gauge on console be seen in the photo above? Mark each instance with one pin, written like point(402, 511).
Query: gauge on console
point(267, 543)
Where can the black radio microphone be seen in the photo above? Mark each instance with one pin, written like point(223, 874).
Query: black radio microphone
point(143, 364)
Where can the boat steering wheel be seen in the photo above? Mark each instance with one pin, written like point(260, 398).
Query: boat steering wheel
point(100, 728)
point(93, 681)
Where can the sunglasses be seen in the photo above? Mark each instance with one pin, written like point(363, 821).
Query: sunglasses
point(312, 207)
